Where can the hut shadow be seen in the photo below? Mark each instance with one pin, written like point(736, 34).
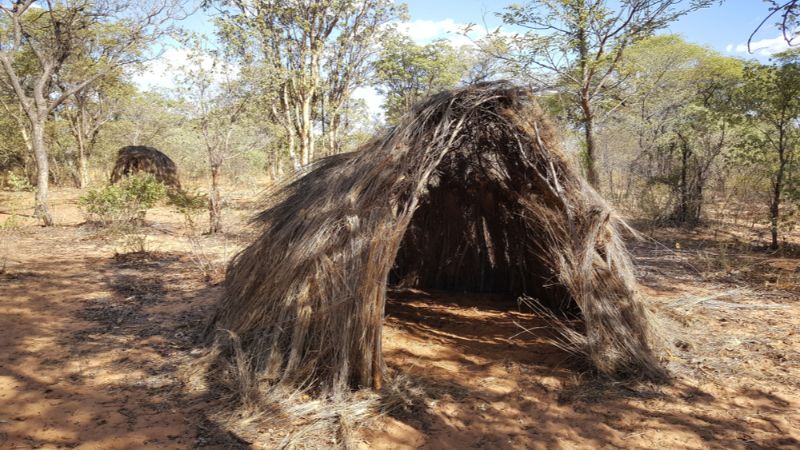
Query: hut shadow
point(91, 347)
point(458, 381)
point(478, 326)
point(612, 416)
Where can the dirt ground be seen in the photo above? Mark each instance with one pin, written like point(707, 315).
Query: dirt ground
point(94, 341)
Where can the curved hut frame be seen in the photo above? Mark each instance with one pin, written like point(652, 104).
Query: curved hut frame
point(469, 191)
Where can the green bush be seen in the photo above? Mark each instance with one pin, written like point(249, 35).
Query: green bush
point(127, 201)
point(16, 183)
point(188, 202)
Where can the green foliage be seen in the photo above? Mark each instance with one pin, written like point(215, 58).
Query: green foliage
point(676, 103)
point(16, 183)
point(408, 72)
point(12, 222)
point(125, 202)
point(189, 204)
point(769, 100)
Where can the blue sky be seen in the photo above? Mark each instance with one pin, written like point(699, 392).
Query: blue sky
point(721, 27)
point(724, 28)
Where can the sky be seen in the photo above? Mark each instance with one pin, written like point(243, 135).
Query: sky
point(724, 28)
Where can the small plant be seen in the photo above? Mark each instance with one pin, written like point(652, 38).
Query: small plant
point(189, 204)
point(11, 223)
point(17, 183)
point(127, 201)
point(134, 238)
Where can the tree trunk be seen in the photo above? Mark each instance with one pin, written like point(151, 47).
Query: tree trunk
point(588, 124)
point(775, 206)
point(683, 201)
point(774, 212)
point(41, 209)
point(775, 203)
point(293, 157)
point(306, 136)
point(215, 203)
point(83, 170)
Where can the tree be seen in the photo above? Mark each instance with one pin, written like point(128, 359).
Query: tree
point(15, 144)
point(312, 56)
point(671, 122)
point(576, 46)
point(770, 99)
point(218, 102)
point(407, 72)
point(788, 13)
point(56, 33)
point(87, 111)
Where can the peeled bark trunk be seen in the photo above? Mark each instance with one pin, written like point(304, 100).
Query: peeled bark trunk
point(41, 209)
point(83, 170)
point(775, 202)
point(588, 131)
point(215, 203)
point(293, 157)
point(774, 212)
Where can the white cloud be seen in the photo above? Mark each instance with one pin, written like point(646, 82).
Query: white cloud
point(162, 72)
point(763, 47)
point(426, 31)
point(372, 98)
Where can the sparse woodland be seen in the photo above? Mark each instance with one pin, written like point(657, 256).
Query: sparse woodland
point(253, 152)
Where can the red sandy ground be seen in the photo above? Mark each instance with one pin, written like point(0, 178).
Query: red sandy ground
point(93, 344)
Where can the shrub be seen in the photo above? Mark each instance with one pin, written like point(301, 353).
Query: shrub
point(127, 201)
point(16, 183)
point(190, 203)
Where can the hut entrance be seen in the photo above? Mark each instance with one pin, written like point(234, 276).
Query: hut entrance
point(468, 234)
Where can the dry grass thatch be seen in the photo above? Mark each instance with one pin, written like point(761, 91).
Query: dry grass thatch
point(470, 192)
point(133, 159)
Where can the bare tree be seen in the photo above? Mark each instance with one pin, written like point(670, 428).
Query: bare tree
point(87, 111)
point(314, 53)
point(55, 32)
point(788, 13)
point(219, 101)
point(576, 46)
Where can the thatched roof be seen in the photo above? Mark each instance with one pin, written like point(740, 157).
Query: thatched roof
point(470, 191)
point(134, 159)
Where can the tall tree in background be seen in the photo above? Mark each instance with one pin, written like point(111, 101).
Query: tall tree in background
point(14, 137)
point(218, 101)
point(407, 72)
point(87, 111)
point(576, 46)
point(58, 32)
point(313, 53)
point(770, 100)
point(678, 103)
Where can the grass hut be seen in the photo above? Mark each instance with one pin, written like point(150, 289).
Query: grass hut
point(469, 192)
point(133, 159)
